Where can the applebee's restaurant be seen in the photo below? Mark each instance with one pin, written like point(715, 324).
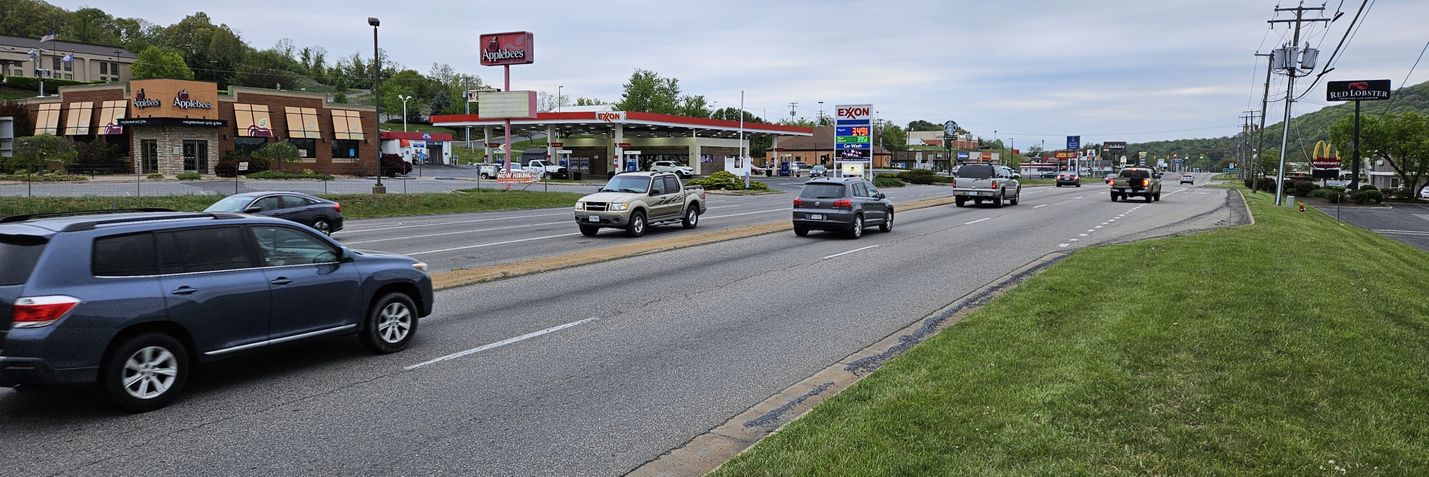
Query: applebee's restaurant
point(173, 126)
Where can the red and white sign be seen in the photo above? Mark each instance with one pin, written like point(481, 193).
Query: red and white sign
point(510, 48)
point(558, 144)
point(610, 117)
point(854, 112)
point(515, 177)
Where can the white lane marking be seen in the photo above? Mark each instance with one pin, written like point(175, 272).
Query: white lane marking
point(1064, 245)
point(1081, 235)
point(499, 344)
point(459, 232)
point(1075, 240)
point(1091, 230)
point(1040, 206)
point(840, 254)
point(747, 213)
point(984, 219)
point(1099, 226)
point(492, 244)
point(1077, 198)
point(1414, 233)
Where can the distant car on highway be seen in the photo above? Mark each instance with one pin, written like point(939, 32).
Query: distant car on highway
point(635, 201)
point(1069, 178)
point(133, 301)
point(844, 205)
point(818, 171)
point(1136, 181)
point(1188, 179)
point(980, 182)
point(318, 213)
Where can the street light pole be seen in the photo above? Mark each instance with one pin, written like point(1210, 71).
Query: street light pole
point(558, 97)
point(404, 98)
point(377, 102)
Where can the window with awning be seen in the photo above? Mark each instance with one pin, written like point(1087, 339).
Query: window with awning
point(252, 120)
point(347, 125)
point(303, 123)
point(80, 115)
point(48, 122)
point(109, 115)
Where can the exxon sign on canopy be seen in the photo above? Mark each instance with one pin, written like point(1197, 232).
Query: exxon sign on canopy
point(510, 48)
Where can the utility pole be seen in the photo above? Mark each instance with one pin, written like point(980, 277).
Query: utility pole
point(1247, 125)
point(1290, 59)
point(793, 109)
point(1260, 130)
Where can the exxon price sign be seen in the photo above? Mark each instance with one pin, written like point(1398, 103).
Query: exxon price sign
point(853, 132)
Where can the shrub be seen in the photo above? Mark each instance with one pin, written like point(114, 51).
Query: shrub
point(156, 176)
point(289, 175)
point(226, 168)
point(1368, 188)
point(1374, 196)
point(887, 181)
point(725, 180)
point(1302, 188)
point(920, 176)
point(189, 176)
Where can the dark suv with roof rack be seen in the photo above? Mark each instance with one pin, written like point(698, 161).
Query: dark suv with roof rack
point(133, 300)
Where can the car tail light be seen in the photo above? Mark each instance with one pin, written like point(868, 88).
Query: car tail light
point(843, 204)
point(994, 184)
point(798, 202)
point(34, 312)
point(1146, 182)
point(954, 182)
point(338, 206)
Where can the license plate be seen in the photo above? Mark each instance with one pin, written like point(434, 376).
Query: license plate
point(593, 218)
point(816, 216)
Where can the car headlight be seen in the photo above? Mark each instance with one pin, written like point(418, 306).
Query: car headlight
point(580, 205)
point(421, 266)
point(619, 207)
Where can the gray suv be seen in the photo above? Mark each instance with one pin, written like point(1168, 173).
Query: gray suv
point(844, 205)
point(134, 300)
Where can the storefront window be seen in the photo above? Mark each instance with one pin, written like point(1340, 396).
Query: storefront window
point(343, 149)
point(150, 156)
point(307, 148)
point(249, 145)
point(196, 156)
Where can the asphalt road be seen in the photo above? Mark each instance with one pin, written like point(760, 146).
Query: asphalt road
point(591, 370)
point(470, 240)
point(1408, 223)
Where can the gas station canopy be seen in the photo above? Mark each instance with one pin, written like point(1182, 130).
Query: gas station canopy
point(635, 125)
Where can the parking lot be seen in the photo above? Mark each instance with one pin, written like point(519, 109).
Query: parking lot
point(1408, 223)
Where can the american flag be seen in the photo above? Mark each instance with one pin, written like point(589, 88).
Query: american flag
point(49, 37)
point(68, 58)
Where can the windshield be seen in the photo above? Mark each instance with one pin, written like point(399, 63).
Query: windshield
point(631, 184)
point(822, 191)
point(1136, 173)
point(974, 171)
point(229, 204)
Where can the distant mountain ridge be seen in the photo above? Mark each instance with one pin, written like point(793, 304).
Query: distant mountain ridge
point(1305, 130)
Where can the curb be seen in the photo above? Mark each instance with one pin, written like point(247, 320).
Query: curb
point(708, 451)
point(472, 276)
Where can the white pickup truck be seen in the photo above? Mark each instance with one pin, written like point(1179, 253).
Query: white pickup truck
point(986, 182)
point(541, 168)
point(672, 167)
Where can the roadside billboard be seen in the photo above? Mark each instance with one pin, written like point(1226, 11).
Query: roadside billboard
point(853, 132)
point(510, 48)
point(1363, 90)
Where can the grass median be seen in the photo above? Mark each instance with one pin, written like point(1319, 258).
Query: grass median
point(354, 206)
point(1294, 346)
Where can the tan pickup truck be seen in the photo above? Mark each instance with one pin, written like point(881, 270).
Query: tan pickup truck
point(634, 201)
point(1136, 181)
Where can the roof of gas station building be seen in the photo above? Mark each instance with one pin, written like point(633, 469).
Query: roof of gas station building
point(636, 124)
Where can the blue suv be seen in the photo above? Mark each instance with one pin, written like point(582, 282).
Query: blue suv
point(134, 300)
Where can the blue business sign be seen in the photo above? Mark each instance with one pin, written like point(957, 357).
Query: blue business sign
point(1074, 143)
point(853, 132)
point(962, 155)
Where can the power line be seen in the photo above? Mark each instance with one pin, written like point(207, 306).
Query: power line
point(1406, 81)
point(1329, 64)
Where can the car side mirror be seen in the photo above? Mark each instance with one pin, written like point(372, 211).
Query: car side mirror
point(252, 210)
point(1016, 176)
point(882, 195)
point(1158, 176)
point(345, 255)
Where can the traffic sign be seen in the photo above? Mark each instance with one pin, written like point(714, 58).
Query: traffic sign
point(1074, 143)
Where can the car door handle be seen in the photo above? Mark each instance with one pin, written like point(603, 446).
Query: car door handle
point(185, 290)
point(281, 281)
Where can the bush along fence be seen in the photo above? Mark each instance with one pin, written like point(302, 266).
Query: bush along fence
point(1335, 194)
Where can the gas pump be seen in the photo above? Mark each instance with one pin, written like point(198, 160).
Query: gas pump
point(563, 157)
point(631, 160)
point(499, 158)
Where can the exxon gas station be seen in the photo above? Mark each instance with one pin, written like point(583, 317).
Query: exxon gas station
point(598, 140)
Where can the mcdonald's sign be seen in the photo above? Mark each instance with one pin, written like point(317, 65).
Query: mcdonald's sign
point(1324, 157)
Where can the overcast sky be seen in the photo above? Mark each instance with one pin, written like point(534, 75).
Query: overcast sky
point(1029, 70)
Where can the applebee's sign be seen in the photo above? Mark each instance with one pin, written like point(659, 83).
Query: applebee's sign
point(183, 101)
point(511, 48)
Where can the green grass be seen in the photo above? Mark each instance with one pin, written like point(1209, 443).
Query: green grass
point(354, 206)
point(284, 175)
point(1297, 346)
